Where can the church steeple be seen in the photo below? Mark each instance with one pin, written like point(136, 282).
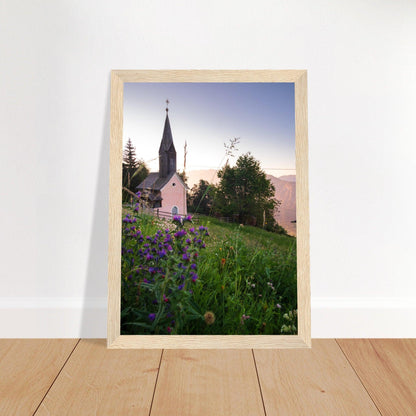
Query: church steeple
point(167, 152)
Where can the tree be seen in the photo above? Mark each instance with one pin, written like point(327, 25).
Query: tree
point(129, 162)
point(201, 198)
point(246, 194)
point(134, 170)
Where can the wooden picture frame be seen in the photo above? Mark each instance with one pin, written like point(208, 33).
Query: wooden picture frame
point(303, 337)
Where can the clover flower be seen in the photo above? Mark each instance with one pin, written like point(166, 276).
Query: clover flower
point(209, 317)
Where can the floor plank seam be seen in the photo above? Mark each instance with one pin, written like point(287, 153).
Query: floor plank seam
point(59, 372)
point(157, 377)
point(258, 381)
point(359, 378)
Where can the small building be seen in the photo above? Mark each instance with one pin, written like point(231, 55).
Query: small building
point(165, 190)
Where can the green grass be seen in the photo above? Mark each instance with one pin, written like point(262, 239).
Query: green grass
point(253, 236)
point(238, 271)
point(243, 272)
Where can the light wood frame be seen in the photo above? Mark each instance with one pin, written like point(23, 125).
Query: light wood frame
point(303, 338)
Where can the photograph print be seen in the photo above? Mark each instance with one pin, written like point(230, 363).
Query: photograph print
point(208, 239)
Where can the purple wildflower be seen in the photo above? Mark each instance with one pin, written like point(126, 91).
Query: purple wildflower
point(180, 287)
point(152, 316)
point(180, 233)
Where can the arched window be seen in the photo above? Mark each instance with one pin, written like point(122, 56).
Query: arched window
point(175, 210)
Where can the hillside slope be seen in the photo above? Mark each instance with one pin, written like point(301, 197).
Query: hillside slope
point(285, 187)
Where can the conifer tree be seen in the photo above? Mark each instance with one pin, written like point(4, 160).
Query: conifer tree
point(129, 161)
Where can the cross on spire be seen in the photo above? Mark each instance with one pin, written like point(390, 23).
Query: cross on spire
point(167, 103)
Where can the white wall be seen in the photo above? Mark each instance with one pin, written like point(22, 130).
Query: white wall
point(55, 62)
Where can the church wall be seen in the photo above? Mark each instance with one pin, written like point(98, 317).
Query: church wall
point(174, 195)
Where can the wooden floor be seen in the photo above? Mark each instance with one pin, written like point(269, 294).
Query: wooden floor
point(81, 377)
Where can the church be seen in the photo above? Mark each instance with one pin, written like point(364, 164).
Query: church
point(164, 190)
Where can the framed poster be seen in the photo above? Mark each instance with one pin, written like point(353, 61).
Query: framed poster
point(209, 217)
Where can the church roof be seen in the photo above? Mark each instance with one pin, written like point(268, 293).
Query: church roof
point(154, 182)
point(167, 139)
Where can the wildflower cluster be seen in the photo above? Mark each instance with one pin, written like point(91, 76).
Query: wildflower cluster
point(158, 274)
point(291, 319)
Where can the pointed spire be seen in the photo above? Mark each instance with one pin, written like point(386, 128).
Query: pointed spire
point(167, 152)
point(167, 139)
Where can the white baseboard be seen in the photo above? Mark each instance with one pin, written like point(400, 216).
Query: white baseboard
point(53, 317)
point(363, 317)
point(87, 318)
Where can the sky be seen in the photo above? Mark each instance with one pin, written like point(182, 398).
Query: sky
point(207, 116)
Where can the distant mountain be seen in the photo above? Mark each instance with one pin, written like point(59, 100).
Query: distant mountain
point(285, 187)
point(285, 191)
point(288, 178)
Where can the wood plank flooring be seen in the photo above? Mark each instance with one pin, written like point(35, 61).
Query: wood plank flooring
point(82, 377)
point(316, 381)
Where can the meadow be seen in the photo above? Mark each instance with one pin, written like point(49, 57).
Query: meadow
point(201, 276)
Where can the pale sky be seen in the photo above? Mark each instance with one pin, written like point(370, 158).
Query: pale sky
point(207, 115)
